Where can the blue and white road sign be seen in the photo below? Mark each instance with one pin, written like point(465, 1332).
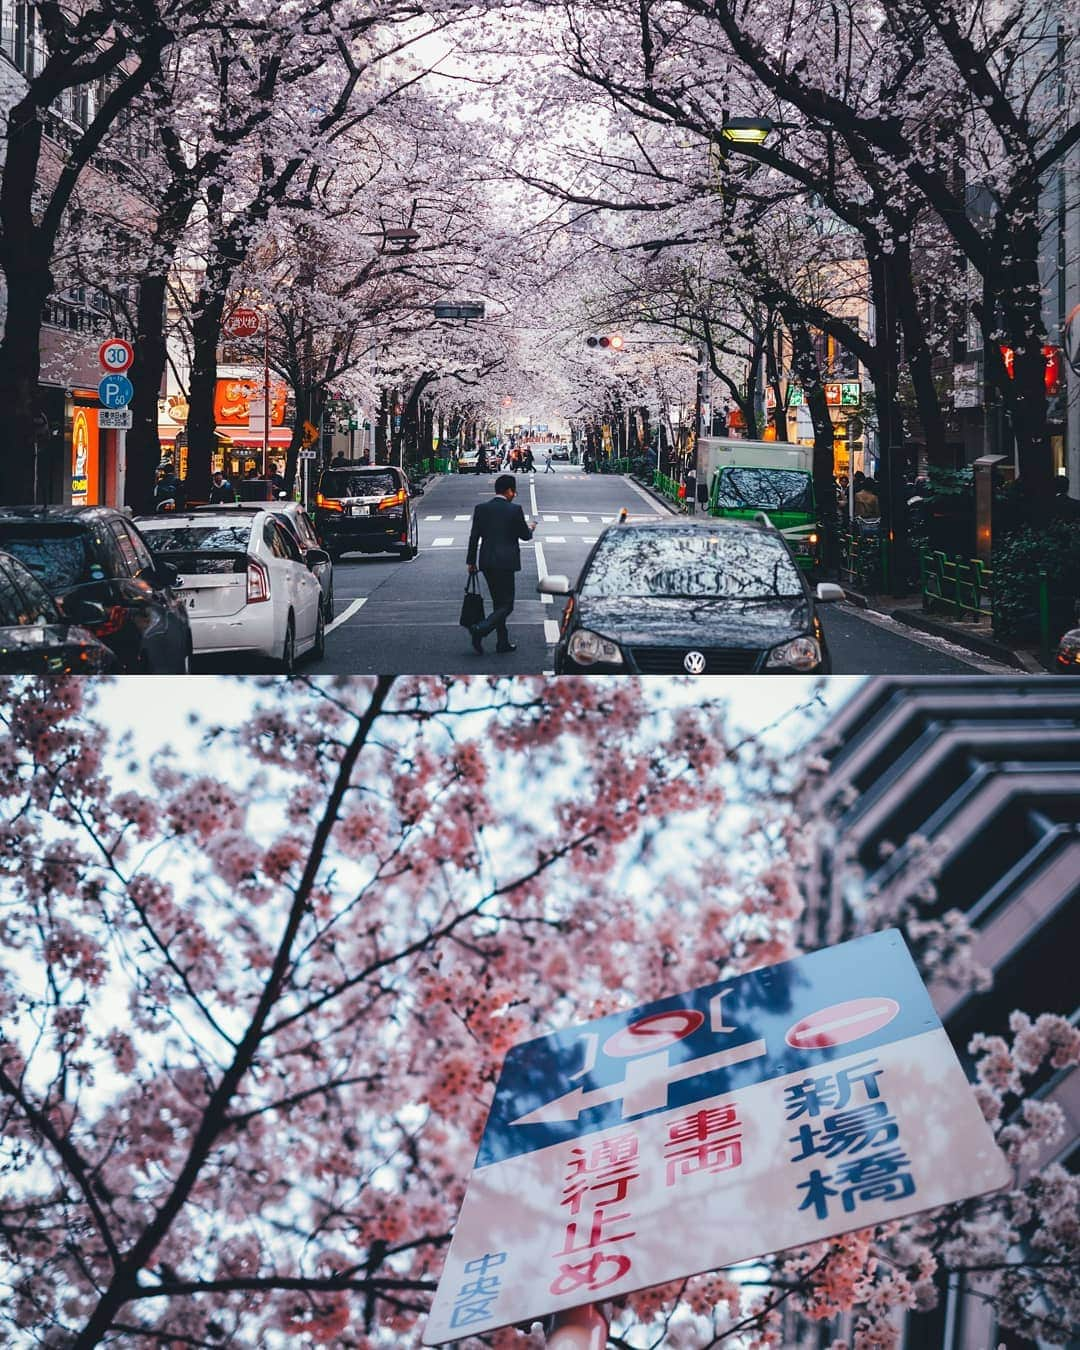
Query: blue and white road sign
point(115, 391)
point(741, 1118)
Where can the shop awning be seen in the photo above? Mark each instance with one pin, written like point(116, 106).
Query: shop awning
point(280, 437)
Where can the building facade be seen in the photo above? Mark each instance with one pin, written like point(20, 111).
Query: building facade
point(963, 794)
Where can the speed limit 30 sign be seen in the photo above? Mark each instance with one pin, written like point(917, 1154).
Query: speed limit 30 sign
point(115, 355)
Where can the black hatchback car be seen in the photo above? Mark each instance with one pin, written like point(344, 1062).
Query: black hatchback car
point(363, 508)
point(96, 564)
point(35, 638)
point(667, 597)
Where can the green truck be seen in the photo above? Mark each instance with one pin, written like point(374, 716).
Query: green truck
point(746, 478)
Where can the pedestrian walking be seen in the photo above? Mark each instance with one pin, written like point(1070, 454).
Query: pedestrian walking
point(168, 492)
point(339, 461)
point(221, 490)
point(548, 467)
point(867, 505)
point(498, 526)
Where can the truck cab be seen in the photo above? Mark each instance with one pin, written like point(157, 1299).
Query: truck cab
point(745, 478)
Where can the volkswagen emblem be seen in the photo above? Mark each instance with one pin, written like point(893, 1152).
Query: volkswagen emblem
point(694, 663)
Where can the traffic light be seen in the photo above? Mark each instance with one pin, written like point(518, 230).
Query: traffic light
point(613, 341)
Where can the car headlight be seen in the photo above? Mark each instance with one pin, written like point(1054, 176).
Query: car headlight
point(589, 649)
point(802, 653)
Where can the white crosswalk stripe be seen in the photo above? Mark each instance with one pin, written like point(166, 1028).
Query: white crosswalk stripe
point(551, 631)
point(555, 538)
point(456, 517)
point(553, 519)
point(433, 517)
point(580, 520)
point(444, 542)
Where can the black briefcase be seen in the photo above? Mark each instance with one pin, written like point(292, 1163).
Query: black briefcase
point(472, 604)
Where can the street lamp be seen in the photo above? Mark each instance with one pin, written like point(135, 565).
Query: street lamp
point(747, 130)
point(458, 309)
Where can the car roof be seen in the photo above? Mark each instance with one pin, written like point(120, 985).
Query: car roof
point(198, 516)
point(714, 525)
point(61, 512)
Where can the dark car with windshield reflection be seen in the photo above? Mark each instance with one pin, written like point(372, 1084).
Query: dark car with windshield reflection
point(669, 597)
point(95, 563)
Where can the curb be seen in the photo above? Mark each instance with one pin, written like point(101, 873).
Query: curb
point(656, 496)
point(996, 651)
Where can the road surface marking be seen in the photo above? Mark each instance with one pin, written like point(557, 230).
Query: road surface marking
point(433, 517)
point(606, 520)
point(462, 517)
point(541, 570)
point(532, 497)
point(551, 631)
point(554, 519)
point(346, 613)
point(589, 538)
point(556, 538)
point(654, 506)
point(580, 520)
point(443, 542)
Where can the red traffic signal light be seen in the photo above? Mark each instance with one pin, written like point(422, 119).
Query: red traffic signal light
point(614, 341)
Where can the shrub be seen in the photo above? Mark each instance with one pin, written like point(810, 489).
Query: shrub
point(1017, 561)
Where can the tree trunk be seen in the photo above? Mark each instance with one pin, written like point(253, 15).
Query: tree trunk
point(382, 427)
point(919, 357)
point(202, 424)
point(147, 373)
point(807, 372)
point(891, 491)
point(24, 446)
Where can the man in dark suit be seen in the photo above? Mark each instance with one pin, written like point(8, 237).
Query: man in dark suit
point(498, 526)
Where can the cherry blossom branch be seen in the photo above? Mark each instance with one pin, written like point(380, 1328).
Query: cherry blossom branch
point(69, 1155)
point(125, 1282)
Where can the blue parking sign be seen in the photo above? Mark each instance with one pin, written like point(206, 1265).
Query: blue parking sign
point(800, 1100)
point(115, 391)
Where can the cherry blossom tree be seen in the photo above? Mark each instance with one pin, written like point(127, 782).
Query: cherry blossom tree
point(256, 989)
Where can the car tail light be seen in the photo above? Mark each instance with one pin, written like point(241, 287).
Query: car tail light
point(258, 582)
point(399, 498)
point(328, 503)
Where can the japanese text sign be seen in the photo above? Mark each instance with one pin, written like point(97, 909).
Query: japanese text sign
point(758, 1113)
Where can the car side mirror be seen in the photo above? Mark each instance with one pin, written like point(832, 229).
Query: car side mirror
point(828, 591)
point(554, 584)
point(315, 557)
point(77, 610)
point(164, 574)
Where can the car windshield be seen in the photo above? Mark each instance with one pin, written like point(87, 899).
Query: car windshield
point(765, 489)
point(691, 564)
point(348, 483)
point(200, 538)
point(58, 555)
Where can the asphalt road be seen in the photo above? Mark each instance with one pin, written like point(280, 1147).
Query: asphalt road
point(402, 617)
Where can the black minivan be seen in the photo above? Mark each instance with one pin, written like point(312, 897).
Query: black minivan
point(366, 508)
point(97, 566)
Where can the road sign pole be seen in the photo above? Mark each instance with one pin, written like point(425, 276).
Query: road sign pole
point(121, 465)
point(583, 1328)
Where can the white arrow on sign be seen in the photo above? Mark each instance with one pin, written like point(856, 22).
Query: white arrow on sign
point(645, 1087)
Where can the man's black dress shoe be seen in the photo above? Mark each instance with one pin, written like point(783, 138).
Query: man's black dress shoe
point(510, 647)
point(477, 641)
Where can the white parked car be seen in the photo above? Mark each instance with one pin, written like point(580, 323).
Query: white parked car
point(247, 586)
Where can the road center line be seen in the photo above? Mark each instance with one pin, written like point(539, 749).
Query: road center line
point(347, 613)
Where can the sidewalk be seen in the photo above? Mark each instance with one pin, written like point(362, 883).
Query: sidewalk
point(976, 635)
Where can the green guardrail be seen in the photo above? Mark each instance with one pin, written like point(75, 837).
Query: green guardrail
point(959, 585)
point(665, 485)
point(862, 564)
